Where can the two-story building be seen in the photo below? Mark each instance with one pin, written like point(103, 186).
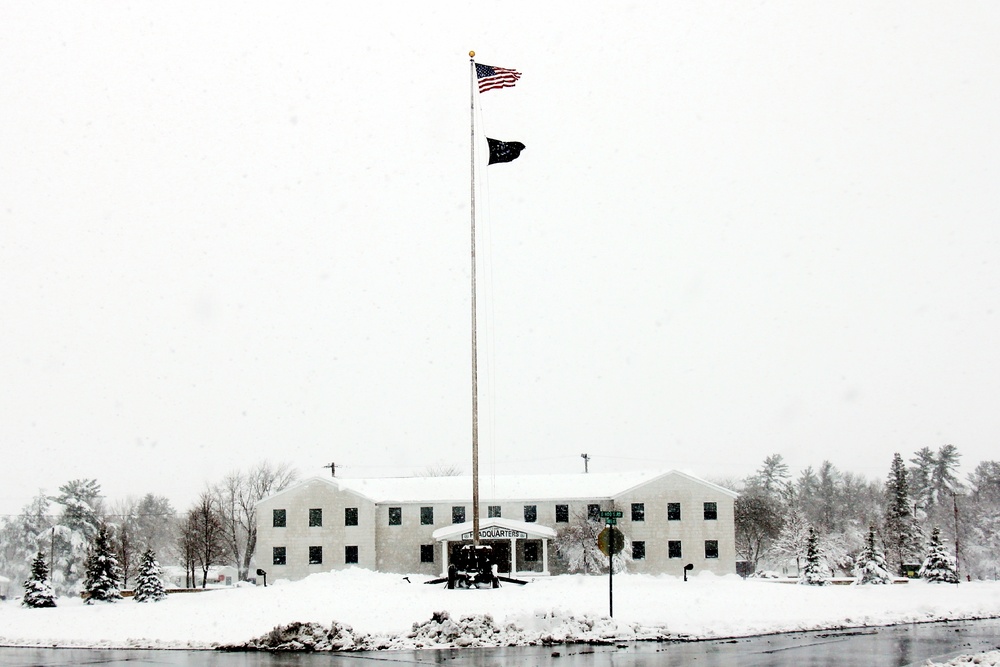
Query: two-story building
point(415, 524)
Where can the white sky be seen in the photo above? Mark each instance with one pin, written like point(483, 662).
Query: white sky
point(232, 232)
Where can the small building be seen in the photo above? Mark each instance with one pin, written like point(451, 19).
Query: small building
point(417, 524)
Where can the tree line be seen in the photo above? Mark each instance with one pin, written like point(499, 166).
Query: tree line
point(775, 513)
point(219, 528)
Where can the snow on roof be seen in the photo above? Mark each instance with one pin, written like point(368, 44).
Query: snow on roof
point(501, 487)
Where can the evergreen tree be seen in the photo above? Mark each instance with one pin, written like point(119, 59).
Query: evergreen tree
point(902, 532)
point(939, 566)
point(815, 572)
point(920, 477)
point(37, 589)
point(104, 574)
point(870, 568)
point(149, 587)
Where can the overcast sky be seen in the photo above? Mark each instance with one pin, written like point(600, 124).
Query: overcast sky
point(234, 232)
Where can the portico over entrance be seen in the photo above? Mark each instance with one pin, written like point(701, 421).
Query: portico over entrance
point(515, 544)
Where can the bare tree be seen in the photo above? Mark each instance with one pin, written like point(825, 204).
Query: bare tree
point(208, 534)
point(237, 497)
point(758, 524)
point(442, 470)
point(123, 519)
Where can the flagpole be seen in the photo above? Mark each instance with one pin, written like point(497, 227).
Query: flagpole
point(475, 359)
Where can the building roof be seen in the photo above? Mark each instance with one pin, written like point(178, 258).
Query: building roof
point(500, 488)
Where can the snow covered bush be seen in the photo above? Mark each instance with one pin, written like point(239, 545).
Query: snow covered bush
point(815, 572)
point(870, 568)
point(103, 577)
point(939, 566)
point(149, 587)
point(576, 544)
point(37, 590)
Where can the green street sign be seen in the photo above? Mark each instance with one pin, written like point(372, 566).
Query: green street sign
point(611, 522)
point(612, 515)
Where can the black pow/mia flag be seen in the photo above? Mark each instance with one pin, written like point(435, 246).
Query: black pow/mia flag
point(504, 151)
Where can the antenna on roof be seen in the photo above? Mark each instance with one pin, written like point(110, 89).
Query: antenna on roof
point(586, 462)
point(333, 468)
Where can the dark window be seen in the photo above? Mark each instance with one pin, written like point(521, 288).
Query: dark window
point(531, 551)
point(711, 512)
point(458, 514)
point(562, 513)
point(427, 516)
point(315, 555)
point(638, 550)
point(673, 511)
point(711, 548)
point(350, 554)
point(278, 518)
point(350, 516)
point(494, 512)
point(278, 555)
point(426, 553)
point(315, 518)
point(594, 512)
point(673, 549)
point(638, 512)
point(530, 513)
point(395, 516)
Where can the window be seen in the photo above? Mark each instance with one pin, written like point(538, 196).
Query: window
point(426, 553)
point(395, 516)
point(638, 512)
point(278, 518)
point(350, 516)
point(711, 512)
point(711, 548)
point(278, 555)
point(638, 550)
point(673, 511)
point(673, 549)
point(562, 513)
point(315, 555)
point(530, 513)
point(530, 551)
point(458, 514)
point(426, 516)
point(494, 512)
point(351, 554)
point(594, 512)
point(315, 518)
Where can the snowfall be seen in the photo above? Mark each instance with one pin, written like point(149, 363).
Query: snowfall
point(362, 610)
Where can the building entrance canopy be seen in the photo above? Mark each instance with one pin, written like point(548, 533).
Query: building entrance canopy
point(497, 529)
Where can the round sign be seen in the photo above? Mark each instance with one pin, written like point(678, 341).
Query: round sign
point(611, 541)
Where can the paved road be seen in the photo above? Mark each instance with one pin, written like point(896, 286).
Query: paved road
point(899, 646)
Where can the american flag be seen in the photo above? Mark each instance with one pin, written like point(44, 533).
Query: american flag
point(495, 77)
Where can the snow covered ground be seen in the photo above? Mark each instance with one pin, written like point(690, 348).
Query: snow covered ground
point(386, 611)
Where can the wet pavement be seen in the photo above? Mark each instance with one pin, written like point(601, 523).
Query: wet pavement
point(897, 646)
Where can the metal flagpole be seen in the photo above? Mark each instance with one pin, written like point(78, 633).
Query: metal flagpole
point(475, 359)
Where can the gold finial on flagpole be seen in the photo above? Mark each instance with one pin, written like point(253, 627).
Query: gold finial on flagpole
point(472, 54)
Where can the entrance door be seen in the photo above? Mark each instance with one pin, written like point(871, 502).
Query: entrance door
point(501, 554)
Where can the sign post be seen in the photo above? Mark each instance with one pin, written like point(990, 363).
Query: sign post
point(611, 542)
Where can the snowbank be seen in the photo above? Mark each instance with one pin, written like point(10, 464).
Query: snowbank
point(357, 608)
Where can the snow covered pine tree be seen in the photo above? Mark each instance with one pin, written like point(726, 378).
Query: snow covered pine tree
point(815, 572)
point(104, 574)
point(939, 566)
point(149, 587)
point(37, 590)
point(870, 566)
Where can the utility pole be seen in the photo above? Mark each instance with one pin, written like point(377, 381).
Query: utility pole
point(954, 500)
point(586, 461)
point(333, 468)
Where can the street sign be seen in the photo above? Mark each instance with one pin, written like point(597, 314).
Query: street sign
point(611, 541)
point(612, 515)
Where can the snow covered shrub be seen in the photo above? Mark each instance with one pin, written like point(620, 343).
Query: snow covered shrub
point(37, 590)
point(870, 566)
point(102, 581)
point(815, 572)
point(939, 566)
point(149, 587)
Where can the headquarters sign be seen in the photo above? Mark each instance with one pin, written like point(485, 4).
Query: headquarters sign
point(497, 533)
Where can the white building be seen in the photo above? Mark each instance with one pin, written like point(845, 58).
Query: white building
point(415, 524)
